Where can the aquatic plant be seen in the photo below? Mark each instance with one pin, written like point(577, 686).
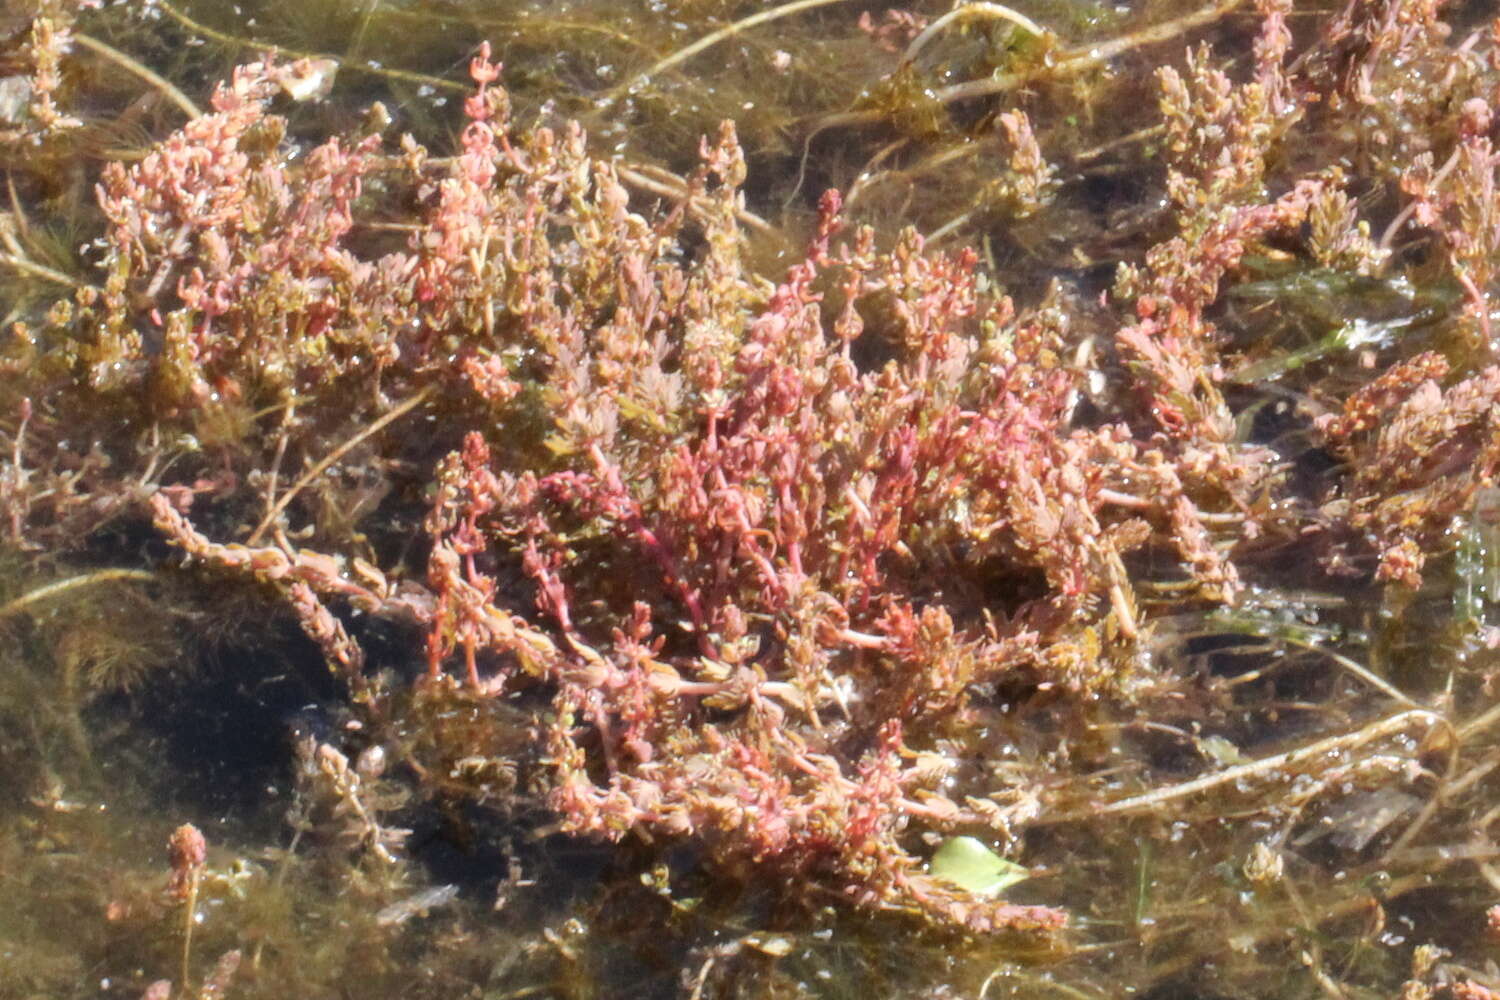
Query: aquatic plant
point(782, 472)
point(683, 554)
point(751, 477)
point(33, 114)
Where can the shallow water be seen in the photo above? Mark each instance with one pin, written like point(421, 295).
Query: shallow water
point(131, 706)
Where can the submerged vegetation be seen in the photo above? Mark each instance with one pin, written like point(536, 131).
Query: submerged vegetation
point(1016, 514)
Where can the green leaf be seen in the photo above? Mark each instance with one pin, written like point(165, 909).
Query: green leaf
point(971, 866)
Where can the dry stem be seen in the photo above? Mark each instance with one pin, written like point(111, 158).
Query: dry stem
point(125, 62)
point(57, 587)
point(225, 38)
point(1073, 61)
point(708, 41)
point(333, 457)
point(1256, 768)
point(980, 9)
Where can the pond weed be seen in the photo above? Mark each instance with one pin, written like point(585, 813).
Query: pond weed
point(599, 510)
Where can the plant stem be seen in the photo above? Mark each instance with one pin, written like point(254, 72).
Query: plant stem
point(710, 40)
point(120, 59)
point(225, 38)
point(1266, 765)
point(190, 905)
point(72, 583)
point(965, 10)
point(332, 457)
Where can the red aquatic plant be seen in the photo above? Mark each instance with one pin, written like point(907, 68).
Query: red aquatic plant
point(738, 610)
point(743, 555)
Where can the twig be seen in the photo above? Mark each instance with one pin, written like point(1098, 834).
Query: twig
point(1088, 56)
point(1354, 667)
point(1133, 502)
point(1074, 60)
point(1139, 135)
point(273, 478)
point(1480, 722)
point(120, 59)
point(189, 920)
point(1444, 791)
point(332, 457)
point(708, 41)
point(635, 178)
point(23, 227)
point(868, 175)
point(951, 226)
point(1470, 778)
point(57, 587)
point(965, 10)
point(18, 258)
point(13, 481)
point(1140, 803)
point(26, 266)
point(280, 50)
point(1312, 953)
